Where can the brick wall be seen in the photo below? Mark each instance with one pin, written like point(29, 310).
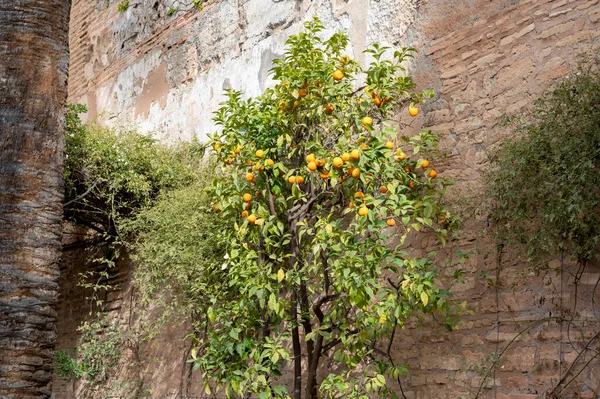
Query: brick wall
point(484, 58)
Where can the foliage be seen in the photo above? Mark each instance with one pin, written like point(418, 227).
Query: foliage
point(112, 173)
point(172, 10)
point(544, 180)
point(179, 248)
point(123, 6)
point(99, 349)
point(311, 255)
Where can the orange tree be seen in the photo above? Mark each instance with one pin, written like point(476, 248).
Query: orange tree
point(321, 198)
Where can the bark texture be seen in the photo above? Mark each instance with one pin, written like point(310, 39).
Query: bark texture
point(34, 58)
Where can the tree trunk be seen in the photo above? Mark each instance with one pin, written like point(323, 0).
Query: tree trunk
point(34, 58)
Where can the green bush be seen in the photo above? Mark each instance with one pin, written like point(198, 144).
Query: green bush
point(112, 173)
point(544, 180)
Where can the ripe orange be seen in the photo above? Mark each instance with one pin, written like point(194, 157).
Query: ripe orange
point(345, 157)
point(401, 156)
point(311, 158)
point(312, 166)
point(292, 179)
point(217, 208)
point(351, 205)
point(329, 108)
point(250, 177)
point(411, 184)
point(300, 180)
point(432, 173)
point(364, 146)
point(238, 149)
point(217, 146)
point(425, 164)
point(407, 169)
point(252, 219)
point(337, 162)
point(355, 173)
point(360, 100)
point(383, 189)
point(345, 59)
point(247, 197)
point(378, 101)
point(320, 163)
point(259, 153)
point(270, 162)
point(248, 205)
point(255, 167)
point(413, 111)
point(245, 214)
point(324, 174)
point(302, 93)
point(367, 120)
point(359, 194)
point(391, 222)
point(338, 75)
point(296, 103)
point(229, 161)
point(355, 154)
point(249, 162)
point(363, 211)
point(390, 145)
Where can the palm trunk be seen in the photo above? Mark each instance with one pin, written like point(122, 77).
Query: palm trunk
point(33, 88)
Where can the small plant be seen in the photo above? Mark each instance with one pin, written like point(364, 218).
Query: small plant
point(66, 366)
point(123, 6)
point(172, 11)
point(199, 4)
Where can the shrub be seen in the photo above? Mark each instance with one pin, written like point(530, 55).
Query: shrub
point(544, 180)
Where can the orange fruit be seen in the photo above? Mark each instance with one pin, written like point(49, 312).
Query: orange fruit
point(259, 153)
point(248, 205)
point(302, 93)
point(255, 168)
point(363, 211)
point(311, 158)
point(391, 222)
point(312, 166)
point(250, 177)
point(432, 173)
point(349, 171)
point(383, 189)
point(299, 179)
point(360, 100)
point(337, 162)
point(364, 146)
point(229, 161)
point(270, 162)
point(407, 169)
point(320, 163)
point(345, 59)
point(292, 179)
point(338, 75)
point(249, 162)
point(245, 214)
point(367, 120)
point(351, 205)
point(378, 101)
point(217, 208)
point(247, 197)
point(329, 108)
point(359, 194)
point(296, 103)
point(400, 156)
point(217, 146)
point(324, 174)
point(355, 154)
point(390, 145)
point(355, 173)
point(425, 164)
point(345, 157)
point(251, 219)
point(413, 111)
point(238, 149)
point(411, 184)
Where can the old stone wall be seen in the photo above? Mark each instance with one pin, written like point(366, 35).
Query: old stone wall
point(484, 58)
